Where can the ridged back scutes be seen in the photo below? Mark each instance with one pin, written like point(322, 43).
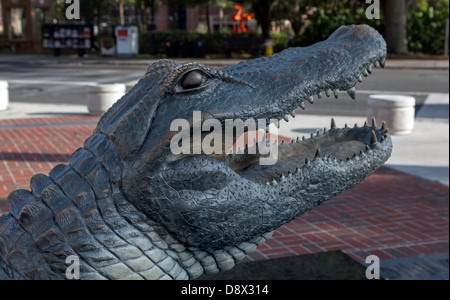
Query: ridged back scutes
point(28, 237)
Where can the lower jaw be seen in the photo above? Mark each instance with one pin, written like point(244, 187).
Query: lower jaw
point(295, 154)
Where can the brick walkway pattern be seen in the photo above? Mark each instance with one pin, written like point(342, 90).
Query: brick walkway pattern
point(391, 214)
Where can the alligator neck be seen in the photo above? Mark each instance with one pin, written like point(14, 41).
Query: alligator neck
point(79, 210)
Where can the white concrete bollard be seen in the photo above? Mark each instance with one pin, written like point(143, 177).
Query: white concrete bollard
point(397, 111)
point(4, 95)
point(101, 97)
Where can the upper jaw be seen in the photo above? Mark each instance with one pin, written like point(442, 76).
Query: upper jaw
point(286, 81)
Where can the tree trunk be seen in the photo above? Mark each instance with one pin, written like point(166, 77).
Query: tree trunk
point(136, 15)
point(122, 13)
point(153, 13)
point(395, 34)
point(262, 11)
point(208, 17)
point(99, 14)
point(221, 14)
point(296, 26)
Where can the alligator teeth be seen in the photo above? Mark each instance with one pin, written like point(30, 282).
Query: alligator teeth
point(311, 99)
point(352, 93)
point(373, 137)
point(370, 69)
point(317, 154)
point(383, 62)
point(318, 133)
point(360, 79)
point(367, 148)
point(336, 94)
point(374, 122)
point(328, 93)
point(366, 124)
point(365, 73)
point(274, 182)
point(320, 95)
point(376, 64)
point(383, 126)
point(302, 105)
point(298, 139)
point(382, 139)
point(306, 161)
point(333, 124)
point(286, 118)
point(293, 113)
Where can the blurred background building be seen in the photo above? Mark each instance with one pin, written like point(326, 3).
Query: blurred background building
point(22, 22)
point(409, 26)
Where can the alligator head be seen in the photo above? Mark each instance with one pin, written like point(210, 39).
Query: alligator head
point(204, 212)
point(215, 201)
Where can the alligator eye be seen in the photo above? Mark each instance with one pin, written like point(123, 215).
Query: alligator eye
point(192, 80)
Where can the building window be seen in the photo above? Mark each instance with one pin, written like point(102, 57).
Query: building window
point(17, 23)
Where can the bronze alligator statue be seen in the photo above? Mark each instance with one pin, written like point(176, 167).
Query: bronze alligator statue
point(129, 208)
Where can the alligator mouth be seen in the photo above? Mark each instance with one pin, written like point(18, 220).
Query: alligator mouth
point(337, 145)
point(334, 145)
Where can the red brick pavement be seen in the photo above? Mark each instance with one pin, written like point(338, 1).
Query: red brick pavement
point(391, 214)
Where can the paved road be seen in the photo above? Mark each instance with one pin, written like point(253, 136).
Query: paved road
point(65, 82)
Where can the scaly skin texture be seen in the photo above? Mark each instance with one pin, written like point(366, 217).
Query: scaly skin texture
point(129, 208)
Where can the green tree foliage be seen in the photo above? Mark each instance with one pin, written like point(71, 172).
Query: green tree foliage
point(328, 16)
point(426, 26)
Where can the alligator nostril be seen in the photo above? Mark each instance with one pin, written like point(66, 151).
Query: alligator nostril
point(192, 80)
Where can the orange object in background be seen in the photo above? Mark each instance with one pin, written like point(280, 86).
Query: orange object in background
point(240, 18)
